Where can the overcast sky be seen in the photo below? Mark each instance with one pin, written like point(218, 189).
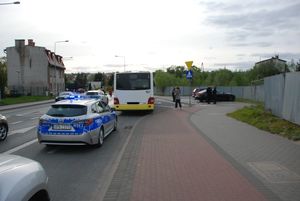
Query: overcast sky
point(156, 34)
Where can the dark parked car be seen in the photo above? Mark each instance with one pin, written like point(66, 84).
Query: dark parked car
point(3, 127)
point(202, 96)
point(195, 91)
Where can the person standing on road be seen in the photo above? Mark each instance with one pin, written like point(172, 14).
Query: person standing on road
point(208, 94)
point(214, 94)
point(177, 97)
point(173, 94)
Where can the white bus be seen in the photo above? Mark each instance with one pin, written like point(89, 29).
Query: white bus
point(133, 91)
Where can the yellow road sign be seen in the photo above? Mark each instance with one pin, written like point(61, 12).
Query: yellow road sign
point(189, 64)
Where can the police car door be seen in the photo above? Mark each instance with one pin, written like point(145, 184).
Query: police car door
point(106, 118)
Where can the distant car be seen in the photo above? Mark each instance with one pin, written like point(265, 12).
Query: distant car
point(202, 96)
point(195, 91)
point(3, 127)
point(97, 94)
point(22, 179)
point(65, 95)
point(77, 122)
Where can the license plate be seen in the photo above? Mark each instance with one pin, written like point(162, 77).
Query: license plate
point(62, 127)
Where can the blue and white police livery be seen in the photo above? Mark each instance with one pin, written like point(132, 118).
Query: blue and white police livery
point(77, 122)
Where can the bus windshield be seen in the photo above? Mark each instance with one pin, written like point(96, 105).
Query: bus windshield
point(133, 81)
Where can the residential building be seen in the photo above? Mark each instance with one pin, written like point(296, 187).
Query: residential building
point(33, 70)
point(275, 62)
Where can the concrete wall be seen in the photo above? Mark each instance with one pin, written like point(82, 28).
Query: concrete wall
point(291, 101)
point(282, 96)
point(274, 87)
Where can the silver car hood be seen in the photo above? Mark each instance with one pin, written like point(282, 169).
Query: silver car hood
point(11, 162)
point(20, 178)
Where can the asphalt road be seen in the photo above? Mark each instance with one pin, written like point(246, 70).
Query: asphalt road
point(75, 172)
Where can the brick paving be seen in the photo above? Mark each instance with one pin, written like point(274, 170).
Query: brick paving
point(176, 163)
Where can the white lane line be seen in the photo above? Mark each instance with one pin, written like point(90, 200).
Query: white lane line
point(13, 123)
point(20, 147)
point(23, 114)
point(34, 118)
point(22, 130)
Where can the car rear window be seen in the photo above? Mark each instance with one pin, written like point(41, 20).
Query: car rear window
point(92, 93)
point(67, 110)
point(133, 81)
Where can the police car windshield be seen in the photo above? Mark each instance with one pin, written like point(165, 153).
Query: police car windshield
point(67, 110)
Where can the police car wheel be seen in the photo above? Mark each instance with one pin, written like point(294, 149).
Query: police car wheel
point(115, 125)
point(100, 138)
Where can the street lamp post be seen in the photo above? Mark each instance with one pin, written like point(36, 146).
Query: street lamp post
point(9, 3)
point(123, 58)
point(63, 41)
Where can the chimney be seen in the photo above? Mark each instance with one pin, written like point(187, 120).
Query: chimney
point(19, 43)
point(31, 43)
point(20, 47)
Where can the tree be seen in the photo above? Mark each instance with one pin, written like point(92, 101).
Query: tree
point(110, 79)
point(178, 71)
point(81, 80)
point(99, 77)
point(3, 76)
point(292, 65)
point(263, 70)
point(164, 79)
point(298, 66)
point(222, 77)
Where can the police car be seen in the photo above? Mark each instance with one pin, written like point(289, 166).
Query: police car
point(97, 94)
point(77, 122)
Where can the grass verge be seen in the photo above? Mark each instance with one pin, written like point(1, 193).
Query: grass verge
point(255, 115)
point(23, 99)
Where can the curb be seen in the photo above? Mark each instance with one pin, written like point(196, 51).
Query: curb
point(23, 105)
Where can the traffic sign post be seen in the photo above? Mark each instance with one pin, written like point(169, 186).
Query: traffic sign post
point(189, 76)
point(189, 64)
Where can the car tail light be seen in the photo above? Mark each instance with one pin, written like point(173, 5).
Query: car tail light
point(116, 101)
point(88, 122)
point(151, 100)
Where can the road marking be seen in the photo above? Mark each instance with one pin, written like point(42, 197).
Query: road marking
point(20, 147)
point(25, 113)
point(35, 118)
point(22, 130)
point(13, 123)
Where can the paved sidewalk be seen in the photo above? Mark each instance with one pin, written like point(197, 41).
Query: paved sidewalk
point(176, 163)
point(267, 160)
point(198, 153)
